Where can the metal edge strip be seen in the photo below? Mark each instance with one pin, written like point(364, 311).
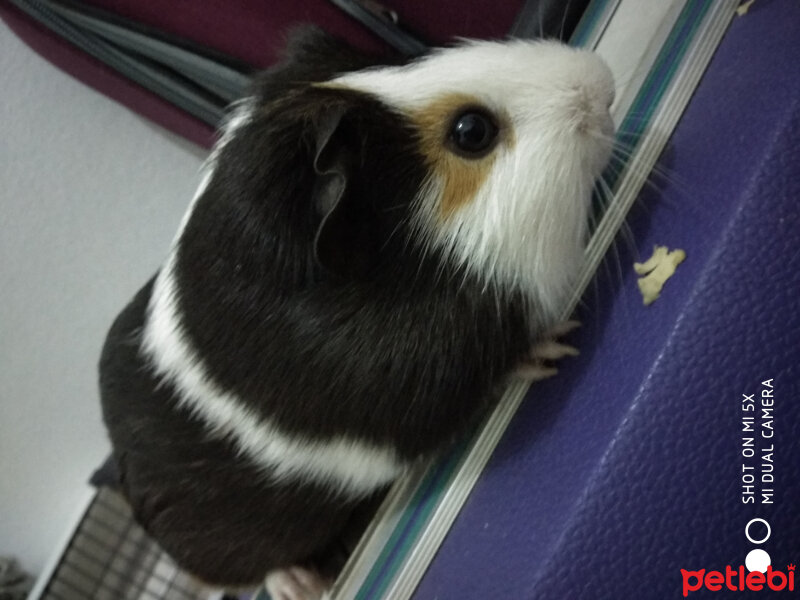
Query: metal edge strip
point(410, 523)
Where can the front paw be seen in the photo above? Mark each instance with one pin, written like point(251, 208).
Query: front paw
point(535, 366)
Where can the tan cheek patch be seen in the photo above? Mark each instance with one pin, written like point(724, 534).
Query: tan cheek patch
point(461, 178)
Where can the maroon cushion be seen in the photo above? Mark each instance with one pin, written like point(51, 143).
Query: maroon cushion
point(249, 30)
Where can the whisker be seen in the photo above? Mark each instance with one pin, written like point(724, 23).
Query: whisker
point(541, 25)
point(625, 231)
point(658, 179)
point(622, 154)
point(613, 254)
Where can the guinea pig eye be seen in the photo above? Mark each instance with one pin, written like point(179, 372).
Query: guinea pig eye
point(472, 134)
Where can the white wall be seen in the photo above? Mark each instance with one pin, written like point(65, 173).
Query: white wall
point(90, 196)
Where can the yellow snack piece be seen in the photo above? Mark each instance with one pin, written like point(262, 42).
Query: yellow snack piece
point(744, 7)
point(656, 270)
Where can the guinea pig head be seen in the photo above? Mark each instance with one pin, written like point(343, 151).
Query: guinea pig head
point(513, 136)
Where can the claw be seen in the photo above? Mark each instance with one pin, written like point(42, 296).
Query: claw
point(549, 350)
point(534, 372)
point(534, 367)
point(560, 329)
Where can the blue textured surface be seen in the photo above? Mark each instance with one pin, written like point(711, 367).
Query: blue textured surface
point(626, 468)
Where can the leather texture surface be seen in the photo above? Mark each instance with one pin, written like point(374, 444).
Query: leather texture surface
point(626, 468)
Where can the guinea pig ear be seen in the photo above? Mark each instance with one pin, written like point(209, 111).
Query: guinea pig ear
point(345, 242)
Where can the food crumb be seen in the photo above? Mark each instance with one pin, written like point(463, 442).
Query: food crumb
point(656, 270)
point(744, 7)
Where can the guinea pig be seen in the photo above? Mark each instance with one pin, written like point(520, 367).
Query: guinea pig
point(373, 250)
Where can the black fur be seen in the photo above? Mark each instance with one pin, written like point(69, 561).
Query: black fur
point(316, 306)
point(210, 510)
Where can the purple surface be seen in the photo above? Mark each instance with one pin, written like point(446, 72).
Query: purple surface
point(626, 468)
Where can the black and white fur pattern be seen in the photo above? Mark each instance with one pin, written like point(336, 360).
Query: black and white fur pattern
point(319, 324)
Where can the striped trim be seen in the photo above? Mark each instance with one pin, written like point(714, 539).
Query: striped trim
point(408, 529)
point(661, 75)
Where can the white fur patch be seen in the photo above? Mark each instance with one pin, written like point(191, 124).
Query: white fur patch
point(348, 466)
point(526, 226)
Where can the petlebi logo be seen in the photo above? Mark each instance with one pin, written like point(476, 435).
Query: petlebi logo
point(737, 580)
point(757, 488)
point(755, 575)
